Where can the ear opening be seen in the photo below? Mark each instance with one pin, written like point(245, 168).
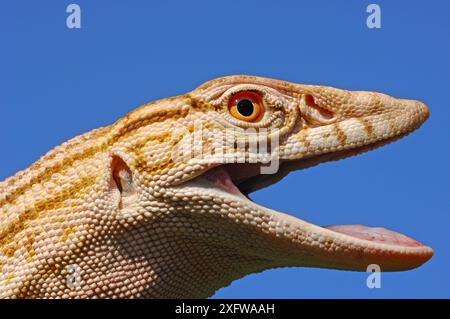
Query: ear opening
point(122, 181)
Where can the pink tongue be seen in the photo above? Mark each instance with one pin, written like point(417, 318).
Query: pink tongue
point(375, 234)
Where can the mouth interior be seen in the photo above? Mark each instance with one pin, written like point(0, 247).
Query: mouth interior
point(234, 179)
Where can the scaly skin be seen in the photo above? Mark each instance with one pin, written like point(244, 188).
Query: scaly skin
point(138, 223)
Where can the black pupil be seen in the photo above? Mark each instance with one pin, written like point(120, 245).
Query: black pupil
point(245, 107)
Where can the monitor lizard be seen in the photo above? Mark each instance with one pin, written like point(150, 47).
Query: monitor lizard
point(156, 204)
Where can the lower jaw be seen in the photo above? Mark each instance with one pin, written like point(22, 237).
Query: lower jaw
point(357, 246)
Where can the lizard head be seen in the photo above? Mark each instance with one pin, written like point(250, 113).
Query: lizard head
point(182, 169)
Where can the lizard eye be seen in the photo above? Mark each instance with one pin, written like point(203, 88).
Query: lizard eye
point(246, 106)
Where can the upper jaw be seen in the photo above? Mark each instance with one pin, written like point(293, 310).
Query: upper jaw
point(352, 133)
point(343, 138)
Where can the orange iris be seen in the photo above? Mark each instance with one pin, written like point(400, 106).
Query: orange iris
point(246, 106)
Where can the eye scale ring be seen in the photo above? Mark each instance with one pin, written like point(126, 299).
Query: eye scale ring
point(246, 106)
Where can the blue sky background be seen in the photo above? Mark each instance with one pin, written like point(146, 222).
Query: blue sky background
point(56, 83)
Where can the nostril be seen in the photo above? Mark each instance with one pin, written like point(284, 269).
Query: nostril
point(313, 112)
point(310, 101)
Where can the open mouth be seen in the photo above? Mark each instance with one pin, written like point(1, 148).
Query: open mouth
point(393, 250)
